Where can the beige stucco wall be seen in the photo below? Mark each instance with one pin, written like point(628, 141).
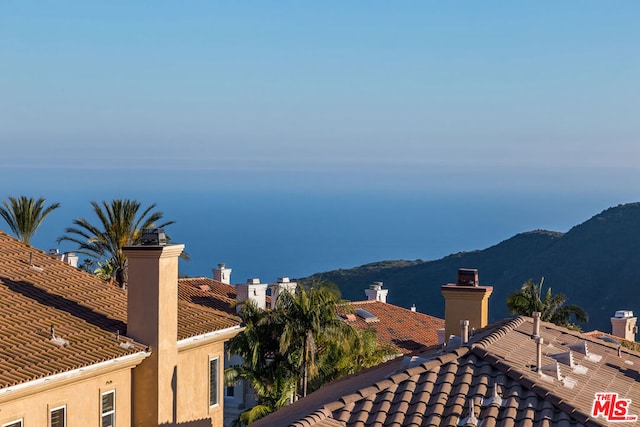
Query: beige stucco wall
point(465, 303)
point(81, 395)
point(193, 382)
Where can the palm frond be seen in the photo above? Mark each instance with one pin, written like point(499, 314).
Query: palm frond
point(24, 215)
point(118, 225)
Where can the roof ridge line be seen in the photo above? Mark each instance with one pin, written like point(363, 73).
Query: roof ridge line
point(499, 331)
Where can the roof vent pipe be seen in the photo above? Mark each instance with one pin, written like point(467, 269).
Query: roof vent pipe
point(539, 342)
point(536, 324)
point(495, 398)
point(471, 420)
point(464, 331)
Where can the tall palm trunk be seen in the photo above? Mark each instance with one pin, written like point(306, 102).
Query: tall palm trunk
point(305, 370)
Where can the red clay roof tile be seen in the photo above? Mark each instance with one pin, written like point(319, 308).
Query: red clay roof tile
point(404, 329)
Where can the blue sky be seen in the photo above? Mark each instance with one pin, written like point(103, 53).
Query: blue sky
point(532, 96)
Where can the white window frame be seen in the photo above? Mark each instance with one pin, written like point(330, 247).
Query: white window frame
point(14, 422)
point(64, 414)
point(111, 412)
point(217, 390)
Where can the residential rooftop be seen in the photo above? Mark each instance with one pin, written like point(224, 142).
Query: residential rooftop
point(495, 380)
point(408, 331)
point(55, 318)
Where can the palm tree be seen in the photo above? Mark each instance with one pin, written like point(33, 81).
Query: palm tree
point(552, 308)
point(363, 351)
point(310, 323)
point(301, 340)
point(105, 270)
point(25, 214)
point(120, 225)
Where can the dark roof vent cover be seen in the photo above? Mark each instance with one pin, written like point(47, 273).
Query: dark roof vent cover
point(467, 277)
point(153, 237)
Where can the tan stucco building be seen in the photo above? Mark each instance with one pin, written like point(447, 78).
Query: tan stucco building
point(76, 351)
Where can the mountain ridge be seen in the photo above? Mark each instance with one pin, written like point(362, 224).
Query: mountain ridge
point(596, 264)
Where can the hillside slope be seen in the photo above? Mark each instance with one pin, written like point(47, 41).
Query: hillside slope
point(596, 264)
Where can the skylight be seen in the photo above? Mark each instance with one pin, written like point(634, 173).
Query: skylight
point(366, 316)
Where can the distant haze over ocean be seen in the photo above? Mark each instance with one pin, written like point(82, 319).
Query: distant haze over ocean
point(270, 234)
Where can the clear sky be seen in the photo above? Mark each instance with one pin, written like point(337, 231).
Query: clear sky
point(534, 95)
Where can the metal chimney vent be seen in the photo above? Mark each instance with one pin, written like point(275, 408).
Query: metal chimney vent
point(467, 277)
point(153, 237)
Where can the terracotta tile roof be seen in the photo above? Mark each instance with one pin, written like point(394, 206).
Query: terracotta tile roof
point(205, 305)
point(407, 330)
point(37, 291)
point(437, 390)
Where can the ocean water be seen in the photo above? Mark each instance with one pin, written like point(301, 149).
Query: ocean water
point(270, 234)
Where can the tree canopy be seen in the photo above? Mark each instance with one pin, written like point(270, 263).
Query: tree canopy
point(25, 214)
point(120, 223)
point(552, 308)
point(297, 347)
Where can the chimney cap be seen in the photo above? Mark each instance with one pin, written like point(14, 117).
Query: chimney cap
point(376, 286)
point(153, 237)
point(222, 265)
point(468, 277)
point(620, 314)
point(283, 280)
point(254, 281)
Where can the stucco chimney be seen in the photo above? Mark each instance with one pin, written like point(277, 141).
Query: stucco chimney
point(465, 300)
point(152, 318)
point(282, 285)
point(376, 293)
point(68, 257)
point(222, 274)
point(623, 325)
point(254, 291)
